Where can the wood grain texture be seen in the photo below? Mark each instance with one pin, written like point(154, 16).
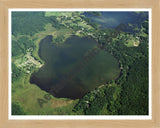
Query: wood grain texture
point(6, 4)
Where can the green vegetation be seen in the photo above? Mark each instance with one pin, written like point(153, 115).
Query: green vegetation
point(100, 101)
point(95, 13)
point(16, 73)
point(128, 95)
point(28, 23)
point(17, 109)
point(48, 14)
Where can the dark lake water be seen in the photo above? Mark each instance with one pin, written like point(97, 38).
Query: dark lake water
point(69, 72)
point(111, 19)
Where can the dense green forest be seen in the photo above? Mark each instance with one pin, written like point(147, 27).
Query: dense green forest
point(28, 23)
point(21, 45)
point(127, 95)
point(17, 109)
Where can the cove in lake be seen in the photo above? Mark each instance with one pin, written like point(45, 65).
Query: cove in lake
point(60, 61)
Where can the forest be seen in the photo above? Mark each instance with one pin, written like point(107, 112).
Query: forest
point(28, 23)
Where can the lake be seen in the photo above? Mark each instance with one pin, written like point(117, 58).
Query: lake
point(67, 73)
point(111, 19)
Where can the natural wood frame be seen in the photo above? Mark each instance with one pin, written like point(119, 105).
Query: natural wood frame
point(6, 4)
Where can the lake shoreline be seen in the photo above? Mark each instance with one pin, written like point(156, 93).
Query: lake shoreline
point(86, 38)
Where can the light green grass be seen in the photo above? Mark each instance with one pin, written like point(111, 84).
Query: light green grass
point(129, 43)
point(53, 13)
point(27, 94)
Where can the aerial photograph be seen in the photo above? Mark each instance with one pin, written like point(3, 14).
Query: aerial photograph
point(80, 62)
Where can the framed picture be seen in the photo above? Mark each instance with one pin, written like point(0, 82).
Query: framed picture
point(80, 64)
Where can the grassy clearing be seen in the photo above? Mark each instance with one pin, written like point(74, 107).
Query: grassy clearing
point(132, 43)
point(129, 43)
point(58, 14)
point(27, 94)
